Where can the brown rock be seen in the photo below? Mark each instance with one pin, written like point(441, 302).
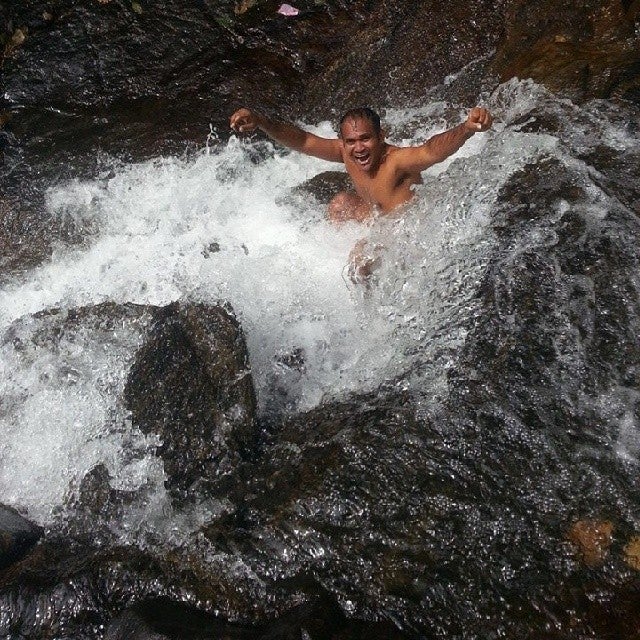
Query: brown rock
point(324, 186)
point(584, 51)
point(592, 539)
point(632, 553)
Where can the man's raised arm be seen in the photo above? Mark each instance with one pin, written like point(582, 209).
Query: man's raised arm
point(245, 121)
point(442, 145)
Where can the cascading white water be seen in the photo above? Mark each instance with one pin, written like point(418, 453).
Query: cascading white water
point(216, 228)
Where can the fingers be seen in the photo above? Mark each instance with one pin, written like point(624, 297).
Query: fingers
point(242, 121)
point(237, 122)
point(480, 119)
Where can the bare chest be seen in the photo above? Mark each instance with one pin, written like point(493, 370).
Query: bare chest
point(374, 189)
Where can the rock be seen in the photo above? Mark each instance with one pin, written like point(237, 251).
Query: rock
point(586, 51)
point(17, 536)
point(402, 49)
point(142, 82)
point(592, 539)
point(632, 553)
point(191, 384)
point(92, 511)
point(322, 187)
point(319, 619)
point(85, 587)
point(26, 236)
point(167, 620)
point(181, 370)
point(617, 171)
point(325, 186)
point(81, 585)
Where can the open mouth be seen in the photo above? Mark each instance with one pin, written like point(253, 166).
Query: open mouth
point(362, 160)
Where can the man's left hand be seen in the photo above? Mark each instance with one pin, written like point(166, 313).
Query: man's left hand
point(479, 119)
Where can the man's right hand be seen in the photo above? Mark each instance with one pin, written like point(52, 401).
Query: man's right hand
point(244, 121)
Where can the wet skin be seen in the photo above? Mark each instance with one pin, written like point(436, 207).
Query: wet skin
point(379, 180)
point(382, 174)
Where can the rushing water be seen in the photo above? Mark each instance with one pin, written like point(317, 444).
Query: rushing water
point(221, 226)
point(218, 227)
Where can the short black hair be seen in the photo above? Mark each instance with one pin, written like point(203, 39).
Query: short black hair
point(365, 113)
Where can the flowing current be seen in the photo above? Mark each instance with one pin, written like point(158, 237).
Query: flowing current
point(218, 227)
point(224, 226)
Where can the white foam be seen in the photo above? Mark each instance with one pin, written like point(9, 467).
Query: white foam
point(215, 227)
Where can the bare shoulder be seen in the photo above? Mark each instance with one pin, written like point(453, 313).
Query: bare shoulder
point(409, 159)
point(394, 155)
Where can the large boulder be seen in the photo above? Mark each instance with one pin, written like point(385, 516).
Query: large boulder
point(585, 50)
point(401, 50)
point(191, 384)
point(178, 376)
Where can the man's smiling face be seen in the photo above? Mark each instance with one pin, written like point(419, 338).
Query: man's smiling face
point(361, 144)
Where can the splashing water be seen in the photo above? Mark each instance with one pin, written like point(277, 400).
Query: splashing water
point(218, 227)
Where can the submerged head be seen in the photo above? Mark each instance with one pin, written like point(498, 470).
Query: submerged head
point(362, 138)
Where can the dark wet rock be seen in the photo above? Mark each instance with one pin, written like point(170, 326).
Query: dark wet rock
point(77, 587)
point(81, 586)
point(191, 385)
point(95, 493)
point(17, 536)
point(586, 51)
point(325, 186)
point(326, 482)
point(27, 235)
point(141, 595)
point(140, 82)
point(167, 620)
point(91, 510)
point(401, 50)
point(578, 269)
point(164, 620)
point(618, 174)
point(591, 133)
point(182, 370)
point(322, 188)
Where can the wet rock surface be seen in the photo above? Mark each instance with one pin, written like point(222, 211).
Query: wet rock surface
point(17, 536)
point(400, 51)
point(586, 51)
point(191, 384)
point(103, 75)
point(447, 518)
point(186, 382)
point(65, 581)
point(320, 619)
point(323, 187)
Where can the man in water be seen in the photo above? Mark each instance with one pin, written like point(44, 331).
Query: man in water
point(382, 174)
